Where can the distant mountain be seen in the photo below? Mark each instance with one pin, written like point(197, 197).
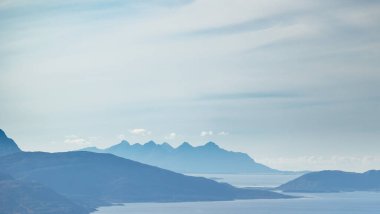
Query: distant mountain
point(7, 145)
point(334, 181)
point(209, 158)
point(21, 197)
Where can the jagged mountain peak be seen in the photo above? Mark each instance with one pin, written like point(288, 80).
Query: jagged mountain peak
point(166, 146)
point(150, 143)
point(125, 142)
point(207, 158)
point(185, 145)
point(211, 145)
point(7, 145)
point(2, 134)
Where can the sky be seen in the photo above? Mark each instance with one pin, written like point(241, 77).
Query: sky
point(295, 84)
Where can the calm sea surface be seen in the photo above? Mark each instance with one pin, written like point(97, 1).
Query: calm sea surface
point(322, 203)
point(263, 180)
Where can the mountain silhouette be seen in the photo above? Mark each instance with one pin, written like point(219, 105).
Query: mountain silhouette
point(97, 179)
point(7, 145)
point(334, 181)
point(209, 158)
point(24, 197)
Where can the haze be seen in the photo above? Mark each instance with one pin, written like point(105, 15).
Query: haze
point(294, 84)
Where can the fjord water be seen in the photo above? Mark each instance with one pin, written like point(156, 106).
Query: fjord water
point(316, 203)
point(251, 180)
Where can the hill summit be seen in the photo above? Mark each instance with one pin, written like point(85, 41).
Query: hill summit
point(7, 145)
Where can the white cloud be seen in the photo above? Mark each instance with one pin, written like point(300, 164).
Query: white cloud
point(77, 141)
point(206, 133)
point(223, 133)
point(211, 133)
point(171, 136)
point(121, 137)
point(140, 132)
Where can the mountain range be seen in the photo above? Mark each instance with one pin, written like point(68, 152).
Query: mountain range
point(87, 180)
point(334, 181)
point(209, 158)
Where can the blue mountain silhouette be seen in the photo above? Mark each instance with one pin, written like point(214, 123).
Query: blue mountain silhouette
point(7, 145)
point(27, 197)
point(334, 181)
point(96, 179)
point(209, 158)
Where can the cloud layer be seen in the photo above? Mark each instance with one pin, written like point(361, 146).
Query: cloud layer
point(295, 75)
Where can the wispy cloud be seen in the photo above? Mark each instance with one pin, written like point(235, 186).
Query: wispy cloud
point(78, 141)
point(251, 95)
point(257, 62)
point(171, 136)
point(212, 133)
point(241, 27)
point(206, 133)
point(140, 132)
point(223, 133)
point(121, 137)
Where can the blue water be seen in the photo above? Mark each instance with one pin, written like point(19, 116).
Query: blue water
point(251, 180)
point(321, 203)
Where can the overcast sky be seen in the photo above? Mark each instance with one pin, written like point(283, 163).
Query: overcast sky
point(295, 84)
